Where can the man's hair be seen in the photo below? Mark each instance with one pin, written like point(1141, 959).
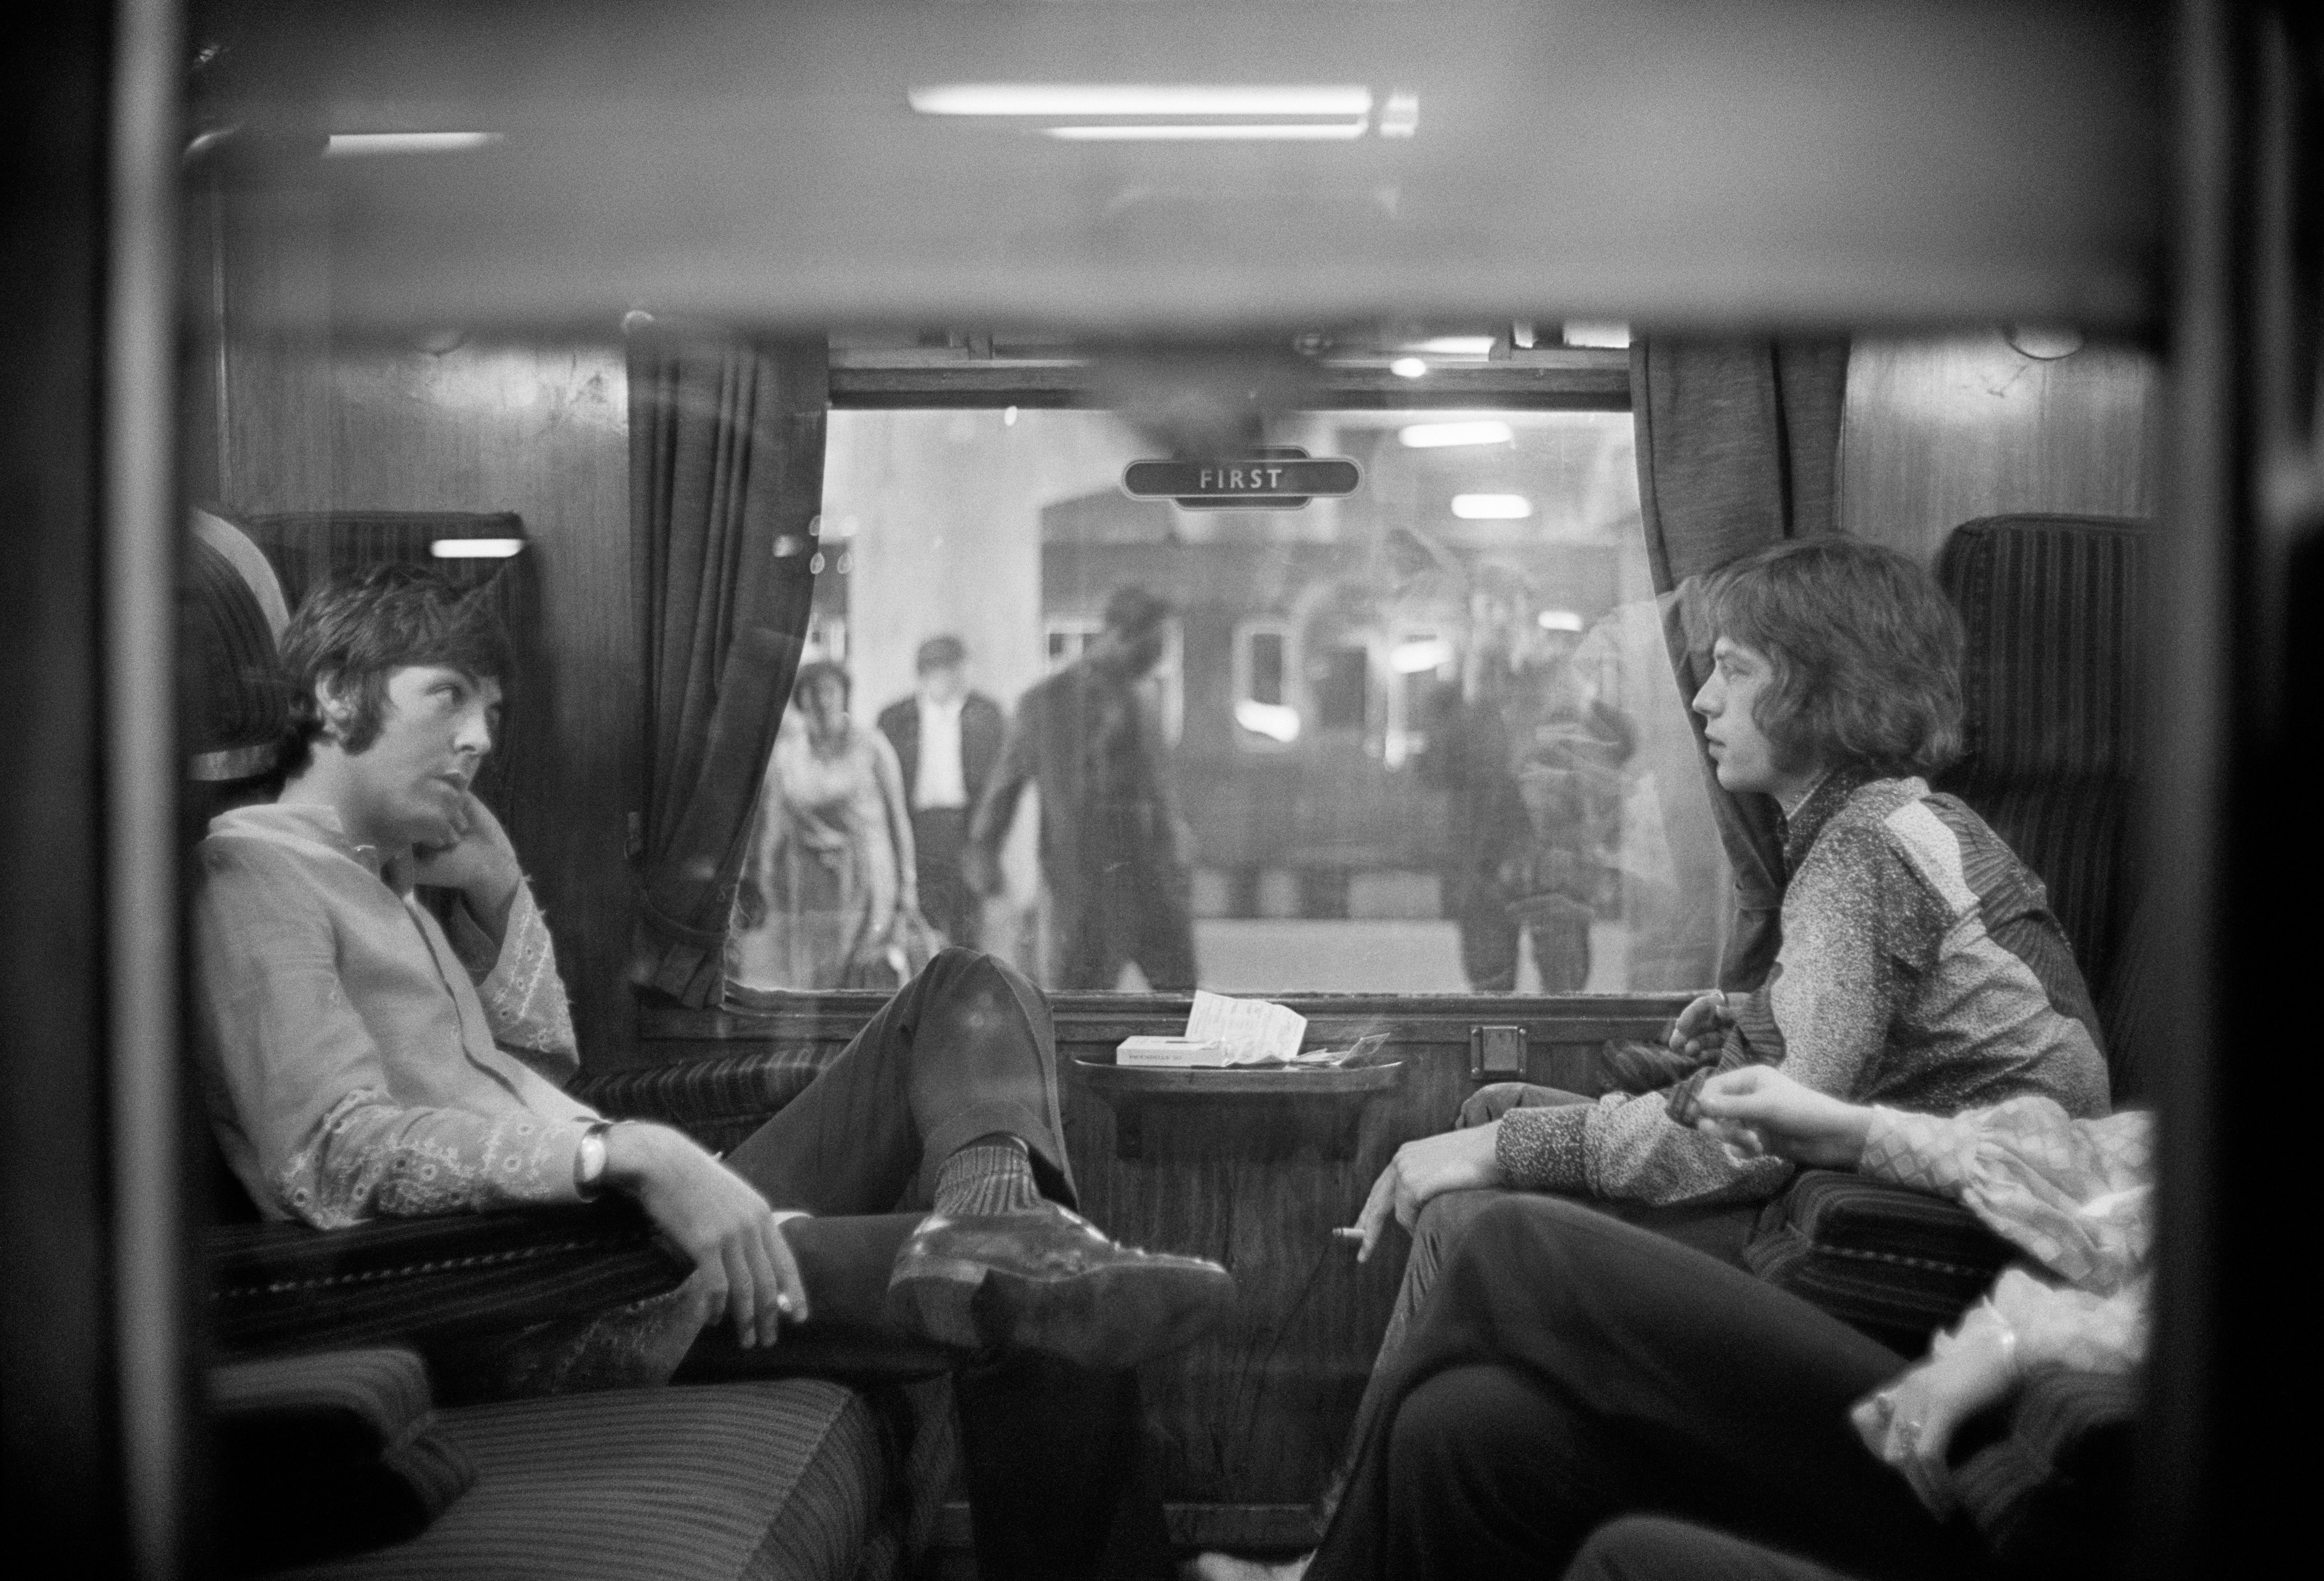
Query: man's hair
point(1866, 652)
point(361, 625)
point(1133, 611)
point(940, 653)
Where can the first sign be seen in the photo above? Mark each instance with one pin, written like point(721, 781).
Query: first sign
point(1276, 483)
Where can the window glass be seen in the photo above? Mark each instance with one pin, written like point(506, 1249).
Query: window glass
point(1422, 737)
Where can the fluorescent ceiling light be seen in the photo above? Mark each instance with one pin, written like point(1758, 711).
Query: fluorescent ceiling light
point(1558, 620)
point(1457, 346)
point(1215, 132)
point(1139, 98)
point(1408, 368)
point(342, 144)
point(1422, 653)
point(1596, 332)
point(475, 548)
point(1484, 507)
point(1430, 435)
point(1272, 720)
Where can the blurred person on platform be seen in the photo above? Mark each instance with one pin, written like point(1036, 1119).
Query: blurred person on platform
point(830, 872)
point(946, 738)
point(1114, 852)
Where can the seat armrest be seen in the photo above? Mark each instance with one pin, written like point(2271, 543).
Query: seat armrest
point(2051, 1494)
point(283, 1287)
point(717, 1102)
point(1897, 1264)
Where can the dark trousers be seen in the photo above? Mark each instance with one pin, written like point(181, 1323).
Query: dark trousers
point(1130, 905)
point(1648, 1548)
point(1488, 942)
point(1569, 1369)
point(939, 836)
point(1059, 1475)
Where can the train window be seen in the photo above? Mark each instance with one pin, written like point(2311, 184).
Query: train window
point(1334, 768)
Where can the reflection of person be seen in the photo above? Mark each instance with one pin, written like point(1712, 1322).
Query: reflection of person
point(1531, 770)
point(1113, 851)
point(362, 1060)
point(830, 867)
point(1569, 1369)
point(1920, 962)
point(946, 738)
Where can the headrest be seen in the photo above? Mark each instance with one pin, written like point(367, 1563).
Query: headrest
point(233, 687)
point(2053, 605)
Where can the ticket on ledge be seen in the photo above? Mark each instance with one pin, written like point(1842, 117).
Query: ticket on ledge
point(1171, 1053)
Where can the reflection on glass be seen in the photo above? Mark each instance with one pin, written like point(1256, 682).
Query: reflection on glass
point(1414, 740)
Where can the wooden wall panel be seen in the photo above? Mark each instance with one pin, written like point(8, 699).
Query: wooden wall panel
point(1939, 431)
point(442, 423)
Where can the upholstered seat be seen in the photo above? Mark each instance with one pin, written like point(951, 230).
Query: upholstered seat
point(2049, 679)
point(748, 1481)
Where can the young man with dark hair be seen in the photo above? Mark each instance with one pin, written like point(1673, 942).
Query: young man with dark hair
point(364, 1059)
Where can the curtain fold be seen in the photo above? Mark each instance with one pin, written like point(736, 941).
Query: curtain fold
point(726, 446)
point(1738, 447)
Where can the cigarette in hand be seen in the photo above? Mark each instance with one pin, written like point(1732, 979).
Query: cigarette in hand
point(1347, 1233)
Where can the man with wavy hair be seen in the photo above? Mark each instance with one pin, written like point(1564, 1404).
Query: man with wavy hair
point(365, 1058)
point(1920, 966)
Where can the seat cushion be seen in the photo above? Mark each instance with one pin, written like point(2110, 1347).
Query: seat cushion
point(727, 1480)
point(1897, 1263)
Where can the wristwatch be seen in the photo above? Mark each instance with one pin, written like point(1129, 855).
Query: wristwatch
point(589, 1160)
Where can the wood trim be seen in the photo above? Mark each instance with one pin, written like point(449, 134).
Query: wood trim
point(1554, 379)
point(1410, 1020)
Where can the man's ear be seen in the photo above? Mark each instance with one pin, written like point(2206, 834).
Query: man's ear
point(335, 703)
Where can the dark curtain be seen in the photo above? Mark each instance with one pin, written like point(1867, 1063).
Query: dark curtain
point(1738, 447)
point(726, 443)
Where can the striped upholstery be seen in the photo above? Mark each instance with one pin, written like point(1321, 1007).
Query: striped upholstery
point(2050, 1496)
point(717, 1102)
point(327, 1454)
point(1897, 1263)
point(2054, 610)
point(734, 1482)
point(276, 1287)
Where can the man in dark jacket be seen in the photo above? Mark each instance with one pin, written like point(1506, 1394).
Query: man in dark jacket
point(946, 739)
point(1113, 851)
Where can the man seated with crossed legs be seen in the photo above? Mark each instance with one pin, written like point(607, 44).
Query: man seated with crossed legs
point(364, 1058)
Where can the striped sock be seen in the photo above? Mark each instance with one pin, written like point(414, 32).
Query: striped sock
point(992, 1174)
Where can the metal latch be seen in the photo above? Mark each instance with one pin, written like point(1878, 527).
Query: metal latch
point(1496, 1052)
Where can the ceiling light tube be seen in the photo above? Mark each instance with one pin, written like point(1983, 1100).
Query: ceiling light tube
point(1408, 367)
point(1139, 98)
point(1216, 132)
point(1430, 435)
point(343, 144)
point(475, 548)
point(1491, 507)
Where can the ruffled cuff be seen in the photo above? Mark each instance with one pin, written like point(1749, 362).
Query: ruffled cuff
point(524, 997)
point(1924, 1151)
point(1541, 1150)
point(2060, 1326)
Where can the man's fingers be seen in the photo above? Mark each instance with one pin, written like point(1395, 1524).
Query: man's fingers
point(791, 1285)
point(742, 1293)
point(766, 1290)
point(1376, 1210)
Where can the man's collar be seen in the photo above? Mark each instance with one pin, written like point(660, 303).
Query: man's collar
point(1805, 822)
point(312, 820)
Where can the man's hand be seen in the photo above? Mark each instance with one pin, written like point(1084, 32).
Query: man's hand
point(1701, 1027)
point(1910, 1423)
point(476, 858)
point(1759, 1109)
point(743, 1266)
point(1456, 1161)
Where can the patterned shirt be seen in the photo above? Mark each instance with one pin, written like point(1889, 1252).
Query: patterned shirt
point(1919, 966)
point(358, 1062)
point(2076, 1195)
